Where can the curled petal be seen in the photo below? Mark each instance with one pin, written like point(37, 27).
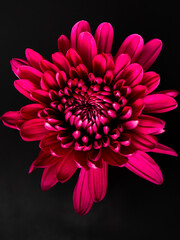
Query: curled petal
point(11, 118)
point(149, 53)
point(144, 166)
point(48, 179)
point(104, 37)
point(82, 200)
point(159, 103)
point(133, 46)
point(63, 44)
point(34, 58)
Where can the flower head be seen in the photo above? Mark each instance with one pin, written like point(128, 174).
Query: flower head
point(92, 110)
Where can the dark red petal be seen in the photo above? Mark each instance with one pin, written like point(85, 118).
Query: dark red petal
point(171, 92)
point(144, 166)
point(82, 200)
point(112, 158)
point(11, 118)
point(48, 179)
point(143, 142)
point(31, 110)
point(63, 44)
point(48, 81)
point(41, 96)
point(151, 80)
point(121, 62)
point(25, 87)
point(45, 159)
point(99, 65)
point(61, 62)
point(133, 74)
point(46, 65)
point(73, 57)
point(81, 158)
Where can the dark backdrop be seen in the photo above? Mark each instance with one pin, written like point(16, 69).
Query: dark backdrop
point(133, 208)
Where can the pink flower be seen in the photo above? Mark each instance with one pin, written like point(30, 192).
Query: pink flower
point(92, 110)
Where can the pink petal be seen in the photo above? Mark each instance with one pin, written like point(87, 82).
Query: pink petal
point(48, 140)
point(45, 159)
point(160, 148)
point(86, 47)
point(149, 53)
point(48, 81)
point(99, 65)
point(48, 179)
point(133, 46)
point(10, 118)
point(31, 110)
point(121, 62)
point(82, 200)
point(33, 130)
point(104, 37)
point(137, 107)
point(63, 44)
point(41, 96)
point(25, 87)
point(137, 92)
point(16, 63)
point(112, 158)
point(172, 93)
point(34, 58)
point(131, 124)
point(61, 62)
point(143, 142)
point(73, 57)
point(66, 168)
point(133, 74)
point(159, 103)
point(144, 166)
point(97, 179)
point(30, 73)
point(46, 65)
point(151, 80)
point(149, 125)
point(81, 26)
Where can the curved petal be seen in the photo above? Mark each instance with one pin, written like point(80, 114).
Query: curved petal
point(97, 179)
point(16, 63)
point(10, 118)
point(61, 62)
point(30, 73)
point(121, 62)
point(34, 58)
point(143, 142)
point(63, 44)
point(25, 87)
point(149, 53)
point(104, 37)
point(161, 148)
point(82, 200)
point(144, 166)
point(48, 179)
point(151, 80)
point(31, 110)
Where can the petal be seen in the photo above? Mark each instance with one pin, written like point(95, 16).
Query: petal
point(81, 158)
point(149, 53)
point(121, 62)
point(48, 179)
point(86, 47)
point(61, 62)
point(33, 130)
point(131, 124)
point(48, 81)
point(63, 44)
point(144, 166)
point(143, 142)
point(82, 200)
point(66, 168)
point(31, 110)
point(99, 65)
point(104, 37)
point(16, 63)
point(34, 58)
point(112, 158)
point(172, 93)
point(41, 96)
point(73, 57)
point(133, 46)
point(10, 118)
point(97, 179)
point(46, 65)
point(45, 159)
point(151, 80)
point(137, 92)
point(160, 148)
point(30, 73)
point(81, 26)
point(25, 87)
point(159, 103)
point(149, 125)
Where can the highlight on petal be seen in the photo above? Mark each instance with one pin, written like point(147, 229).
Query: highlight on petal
point(149, 53)
point(133, 46)
point(144, 166)
point(34, 58)
point(104, 37)
point(48, 179)
point(159, 103)
point(11, 118)
point(82, 200)
point(97, 179)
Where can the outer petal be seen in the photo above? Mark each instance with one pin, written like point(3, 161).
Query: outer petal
point(81, 26)
point(16, 63)
point(33, 130)
point(10, 118)
point(34, 58)
point(31, 110)
point(48, 179)
point(82, 199)
point(151, 80)
point(97, 179)
point(160, 148)
point(104, 37)
point(133, 46)
point(150, 52)
point(30, 73)
point(144, 166)
point(159, 103)
point(25, 87)
point(86, 47)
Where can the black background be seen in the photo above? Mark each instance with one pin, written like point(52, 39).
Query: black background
point(133, 208)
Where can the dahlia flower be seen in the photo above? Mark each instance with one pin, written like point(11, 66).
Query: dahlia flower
point(92, 110)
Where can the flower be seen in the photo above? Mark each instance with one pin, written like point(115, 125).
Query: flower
point(92, 110)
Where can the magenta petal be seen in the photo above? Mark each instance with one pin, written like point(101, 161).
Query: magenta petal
point(48, 179)
point(81, 26)
point(61, 62)
point(31, 110)
point(73, 57)
point(33, 130)
point(86, 47)
point(121, 62)
point(82, 200)
point(159, 103)
point(66, 168)
point(45, 159)
point(48, 81)
point(30, 73)
point(113, 158)
point(144, 166)
point(133, 74)
point(150, 52)
point(97, 179)
point(10, 118)
point(133, 46)
point(104, 37)
point(160, 148)
point(143, 142)
point(25, 87)
point(99, 65)
point(16, 63)
point(171, 92)
point(41, 96)
point(63, 44)
point(33, 58)
point(46, 65)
